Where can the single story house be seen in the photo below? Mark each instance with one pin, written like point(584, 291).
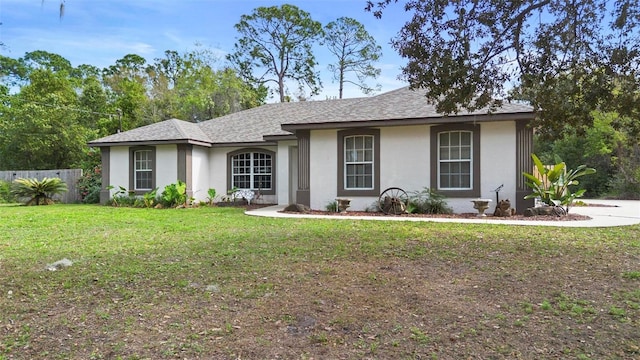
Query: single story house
point(313, 152)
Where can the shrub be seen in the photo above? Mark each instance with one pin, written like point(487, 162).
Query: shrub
point(5, 192)
point(553, 186)
point(428, 201)
point(332, 206)
point(120, 197)
point(373, 207)
point(90, 184)
point(38, 192)
point(128, 198)
point(149, 199)
point(625, 184)
point(620, 187)
point(174, 194)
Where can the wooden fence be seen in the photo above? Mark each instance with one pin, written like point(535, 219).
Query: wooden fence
point(69, 176)
point(544, 179)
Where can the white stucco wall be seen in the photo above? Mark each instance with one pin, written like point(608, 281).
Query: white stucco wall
point(323, 166)
point(498, 159)
point(200, 172)
point(404, 158)
point(405, 163)
point(283, 184)
point(166, 165)
point(497, 166)
point(119, 167)
point(218, 169)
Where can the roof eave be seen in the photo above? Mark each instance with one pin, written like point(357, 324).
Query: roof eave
point(524, 116)
point(149, 142)
point(279, 137)
point(245, 144)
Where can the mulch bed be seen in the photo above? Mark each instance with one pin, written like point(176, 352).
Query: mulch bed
point(569, 217)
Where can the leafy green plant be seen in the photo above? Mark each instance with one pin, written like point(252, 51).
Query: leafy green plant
point(211, 196)
point(119, 196)
point(428, 201)
point(174, 194)
point(552, 185)
point(38, 192)
point(332, 206)
point(625, 184)
point(149, 199)
point(90, 183)
point(5, 192)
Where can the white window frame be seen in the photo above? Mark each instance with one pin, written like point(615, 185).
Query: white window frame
point(253, 169)
point(147, 161)
point(460, 160)
point(364, 149)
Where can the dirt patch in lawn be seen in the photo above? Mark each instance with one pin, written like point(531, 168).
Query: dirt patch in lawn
point(494, 306)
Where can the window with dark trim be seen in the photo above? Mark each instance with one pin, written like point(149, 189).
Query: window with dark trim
point(455, 159)
point(252, 169)
point(142, 169)
point(359, 162)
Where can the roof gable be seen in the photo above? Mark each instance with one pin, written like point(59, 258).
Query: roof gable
point(172, 130)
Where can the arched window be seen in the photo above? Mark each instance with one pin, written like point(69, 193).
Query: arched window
point(252, 170)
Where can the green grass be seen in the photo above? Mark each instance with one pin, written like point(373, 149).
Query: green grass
point(198, 283)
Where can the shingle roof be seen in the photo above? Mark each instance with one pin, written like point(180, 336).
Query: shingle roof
point(248, 126)
point(399, 104)
point(167, 131)
point(252, 125)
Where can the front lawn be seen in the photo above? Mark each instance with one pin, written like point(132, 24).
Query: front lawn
point(213, 283)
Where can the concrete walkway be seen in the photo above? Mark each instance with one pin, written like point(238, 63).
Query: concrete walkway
point(615, 213)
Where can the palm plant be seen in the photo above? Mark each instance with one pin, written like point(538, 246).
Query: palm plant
point(39, 192)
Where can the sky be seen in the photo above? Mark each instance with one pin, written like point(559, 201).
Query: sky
point(99, 32)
